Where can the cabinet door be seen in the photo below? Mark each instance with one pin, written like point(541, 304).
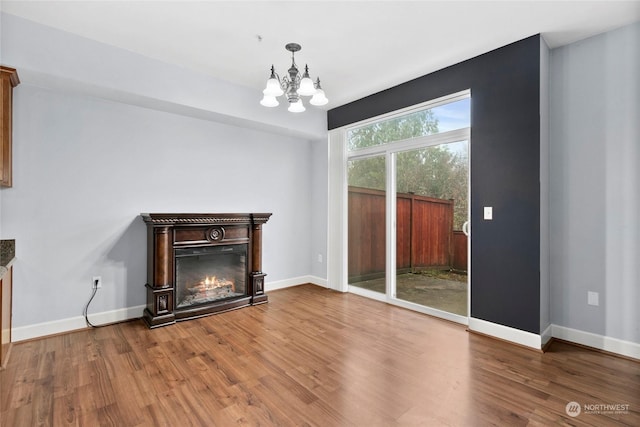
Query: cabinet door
point(5, 314)
point(8, 80)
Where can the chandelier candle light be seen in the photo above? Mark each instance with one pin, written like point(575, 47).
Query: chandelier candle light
point(293, 86)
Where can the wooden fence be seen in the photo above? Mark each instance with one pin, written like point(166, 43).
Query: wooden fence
point(459, 261)
point(424, 234)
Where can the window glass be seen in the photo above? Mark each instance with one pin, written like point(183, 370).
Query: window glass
point(443, 118)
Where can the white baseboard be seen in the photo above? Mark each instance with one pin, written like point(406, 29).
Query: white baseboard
point(527, 339)
point(600, 342)
point(546, 335)
point(318, 281)
point(295, 281)
point(506, 333)
point(38, 330)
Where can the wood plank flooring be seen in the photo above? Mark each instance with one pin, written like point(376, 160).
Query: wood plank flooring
point(310, 357)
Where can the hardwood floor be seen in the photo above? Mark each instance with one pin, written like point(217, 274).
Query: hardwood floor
point(310, 357)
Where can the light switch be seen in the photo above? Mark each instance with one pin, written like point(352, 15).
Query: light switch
point(593, 298)
point(488, 212)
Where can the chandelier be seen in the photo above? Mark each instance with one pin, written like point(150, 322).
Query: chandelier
point(293, 86)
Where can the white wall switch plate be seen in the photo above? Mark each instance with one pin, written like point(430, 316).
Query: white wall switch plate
point(488, 212)
point(593, 298)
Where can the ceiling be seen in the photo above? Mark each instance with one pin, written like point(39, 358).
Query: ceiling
point(355, 47)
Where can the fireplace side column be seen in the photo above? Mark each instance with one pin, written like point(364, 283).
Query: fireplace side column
point(159, 310)
point(257, 276)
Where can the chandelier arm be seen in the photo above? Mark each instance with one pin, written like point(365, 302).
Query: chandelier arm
point(274, 73)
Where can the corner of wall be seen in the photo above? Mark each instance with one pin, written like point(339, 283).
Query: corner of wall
point(336, 237)
point(545, 287)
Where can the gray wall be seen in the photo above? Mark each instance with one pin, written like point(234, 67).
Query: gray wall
point(85, 168)
point(319, 167)
point(88, 159)
point(595, 184)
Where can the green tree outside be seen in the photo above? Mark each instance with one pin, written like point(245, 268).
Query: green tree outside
point(440, 171)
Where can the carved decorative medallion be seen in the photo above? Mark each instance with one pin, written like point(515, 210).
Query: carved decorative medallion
point(215, 234)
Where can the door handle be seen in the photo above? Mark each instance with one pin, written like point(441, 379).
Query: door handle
point(466, 228)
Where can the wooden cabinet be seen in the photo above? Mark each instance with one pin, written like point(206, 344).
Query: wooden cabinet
point(8, 80)
point(6, 284)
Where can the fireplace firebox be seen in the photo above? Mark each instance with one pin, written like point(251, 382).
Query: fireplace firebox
point(201, 264)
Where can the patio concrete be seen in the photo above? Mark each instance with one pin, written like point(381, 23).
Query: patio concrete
point(442, 294)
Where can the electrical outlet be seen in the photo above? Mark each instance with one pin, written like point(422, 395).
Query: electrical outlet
point(319, 257)
point(96, 282)
point(593, 298)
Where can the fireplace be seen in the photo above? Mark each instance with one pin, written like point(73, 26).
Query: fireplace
point(209, 274)
point(201, 264)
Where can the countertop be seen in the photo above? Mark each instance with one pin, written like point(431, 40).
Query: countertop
point(7, 255)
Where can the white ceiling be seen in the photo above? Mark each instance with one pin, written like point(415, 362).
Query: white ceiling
point(355, 47)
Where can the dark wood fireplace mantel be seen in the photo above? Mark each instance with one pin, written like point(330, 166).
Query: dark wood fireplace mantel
point(171, 232)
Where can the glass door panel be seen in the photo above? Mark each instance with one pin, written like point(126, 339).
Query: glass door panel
point(431, 207)
point(367, 223)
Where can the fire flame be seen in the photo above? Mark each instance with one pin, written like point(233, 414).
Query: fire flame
point(212, 282)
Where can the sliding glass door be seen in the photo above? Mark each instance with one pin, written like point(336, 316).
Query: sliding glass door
point(408, 199)
point(431, 206)
point(367, 223)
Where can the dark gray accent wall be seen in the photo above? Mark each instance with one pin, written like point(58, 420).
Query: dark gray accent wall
point(505, 171)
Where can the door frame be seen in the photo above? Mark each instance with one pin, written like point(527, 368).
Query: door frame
point(337, 238)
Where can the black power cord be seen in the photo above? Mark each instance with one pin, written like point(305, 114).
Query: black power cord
point(86, 307)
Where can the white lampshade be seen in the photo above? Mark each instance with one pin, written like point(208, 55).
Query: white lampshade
point(269, 101)
point(319, 98)
point(306, 87)
point(296, 107)
point(306, 84)
point(273, 88)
